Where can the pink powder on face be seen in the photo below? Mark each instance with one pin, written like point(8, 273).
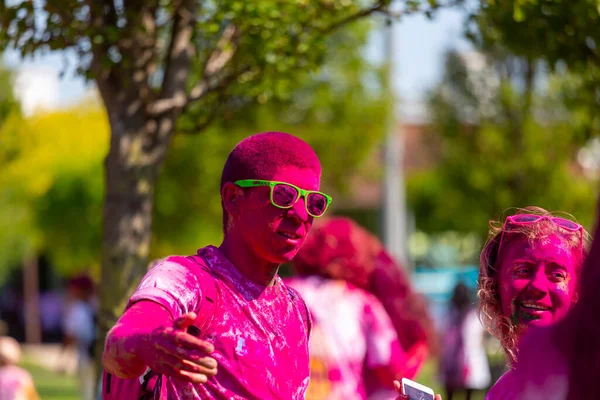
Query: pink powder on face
point(260, 156)
point(537, 280)
point(263, 225)
point(260, 334)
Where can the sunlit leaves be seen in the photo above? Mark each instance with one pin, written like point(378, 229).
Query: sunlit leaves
point(53, 187)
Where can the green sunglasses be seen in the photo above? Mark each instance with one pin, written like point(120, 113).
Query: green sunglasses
point(285, 195)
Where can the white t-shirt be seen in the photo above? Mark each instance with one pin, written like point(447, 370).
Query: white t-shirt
point(79, 323)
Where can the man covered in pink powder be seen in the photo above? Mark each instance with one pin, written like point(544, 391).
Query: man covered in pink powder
point(256, 344)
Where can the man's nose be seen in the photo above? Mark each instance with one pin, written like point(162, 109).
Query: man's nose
point(298, 211)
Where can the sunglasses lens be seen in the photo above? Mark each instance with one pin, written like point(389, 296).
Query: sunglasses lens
point(284, 195)
point(525, 218)
point(565, 223)
point(317, 204)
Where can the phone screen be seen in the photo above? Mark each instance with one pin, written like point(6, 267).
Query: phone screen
point(416, 394)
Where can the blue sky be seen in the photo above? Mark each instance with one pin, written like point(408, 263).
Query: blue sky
point(419, 46)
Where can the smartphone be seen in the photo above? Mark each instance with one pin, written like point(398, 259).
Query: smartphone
point(416, 391)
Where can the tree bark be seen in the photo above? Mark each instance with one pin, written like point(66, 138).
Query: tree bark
point(31, 295)
point(138, 144)
point(131, 171)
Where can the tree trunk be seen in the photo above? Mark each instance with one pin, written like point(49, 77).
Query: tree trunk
point(31, 295)
point(131, 170)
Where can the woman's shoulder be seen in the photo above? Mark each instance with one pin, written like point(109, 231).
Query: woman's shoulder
point(505, 388)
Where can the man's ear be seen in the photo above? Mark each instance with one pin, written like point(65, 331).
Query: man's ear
point(232, 196)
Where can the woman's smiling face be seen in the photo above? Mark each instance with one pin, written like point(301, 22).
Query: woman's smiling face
point(538, 280)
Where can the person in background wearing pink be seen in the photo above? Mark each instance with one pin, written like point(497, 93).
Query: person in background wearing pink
point(16, 383)
point(353, 336)
point(529, 277)
point(257, 344)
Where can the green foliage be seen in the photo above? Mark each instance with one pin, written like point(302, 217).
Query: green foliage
point(16, 235)
point(8, 104)
point(551, 29)
point(52, 188)
point(497, 153)
point(563, 33)
point(249, 49)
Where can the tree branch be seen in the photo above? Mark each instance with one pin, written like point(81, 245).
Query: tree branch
point(211, 81)
point(179, 55)
point(223, 51)
point(140, 43)
point(203, 88)
point(380, 7)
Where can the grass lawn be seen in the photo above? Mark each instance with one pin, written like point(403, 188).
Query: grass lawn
point(52, 386)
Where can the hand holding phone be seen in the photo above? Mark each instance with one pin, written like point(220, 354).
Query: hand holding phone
point(416, 391)
point(410, 390)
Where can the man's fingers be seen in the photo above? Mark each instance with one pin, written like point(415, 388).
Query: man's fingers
point(187, 341)
point(438, 397)
point(175, 367)
point(192, 377)
point(398, 387)
point(184, 321)
point(196, 357)
point(190, 366)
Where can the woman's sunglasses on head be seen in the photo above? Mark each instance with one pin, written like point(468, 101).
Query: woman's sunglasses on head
point(285, 195)
point(527, 219)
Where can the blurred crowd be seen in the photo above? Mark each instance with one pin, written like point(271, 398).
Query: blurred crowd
point(68, 320)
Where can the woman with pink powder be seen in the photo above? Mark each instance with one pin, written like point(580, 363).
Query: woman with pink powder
point(255, 345)
point(561, 362)
point(529, 277)
point(355, 349)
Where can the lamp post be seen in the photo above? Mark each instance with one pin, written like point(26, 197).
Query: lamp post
point(394, 197)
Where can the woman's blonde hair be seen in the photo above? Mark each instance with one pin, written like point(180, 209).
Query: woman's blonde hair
point(490, 311)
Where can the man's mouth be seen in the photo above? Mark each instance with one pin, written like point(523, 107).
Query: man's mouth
point(289, 235)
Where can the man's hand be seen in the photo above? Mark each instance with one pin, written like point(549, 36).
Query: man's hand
point(171, 351)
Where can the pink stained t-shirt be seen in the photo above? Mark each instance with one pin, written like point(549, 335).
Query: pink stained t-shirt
point(260, 334)
point(351, 334)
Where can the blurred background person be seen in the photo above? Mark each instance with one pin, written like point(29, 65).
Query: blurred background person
point(464, 365)
point(16, 383)
point(356, 349)
point(80, 330)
